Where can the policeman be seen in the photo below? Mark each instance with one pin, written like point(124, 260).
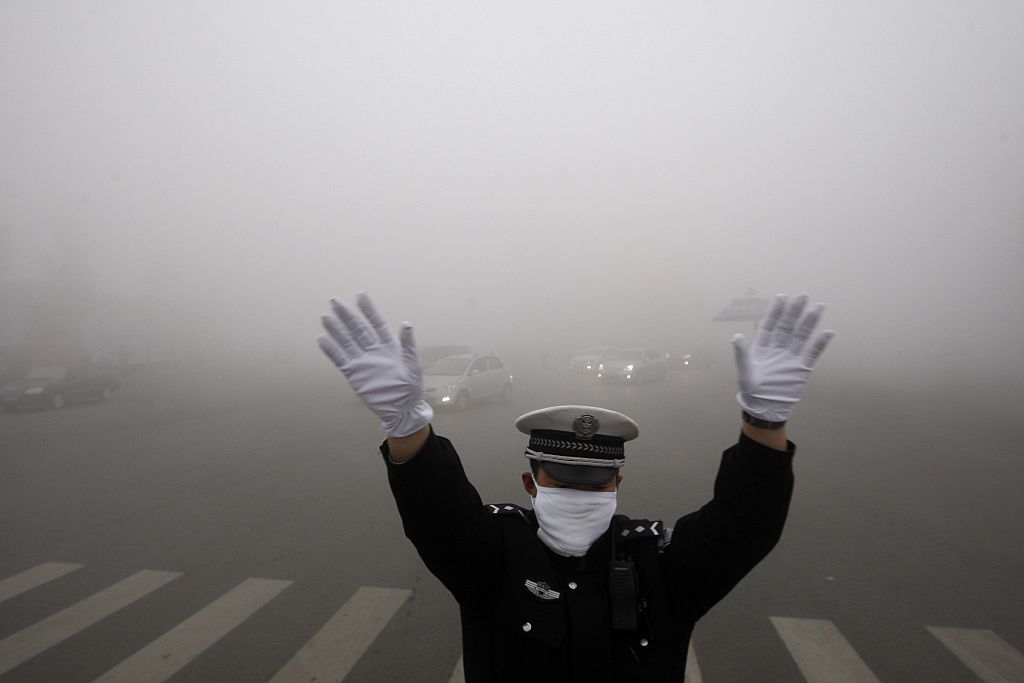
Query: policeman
point(570, 591)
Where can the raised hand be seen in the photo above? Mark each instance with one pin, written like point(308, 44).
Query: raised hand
point(386, 374)
point(773, 374)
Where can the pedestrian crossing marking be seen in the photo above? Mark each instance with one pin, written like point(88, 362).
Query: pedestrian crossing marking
point(332, 652)
point(162, 658)
point(820, 651)
point(991, 658)
point(29, 642)
point(692, 674)
point(459, 674)
point(31, 578)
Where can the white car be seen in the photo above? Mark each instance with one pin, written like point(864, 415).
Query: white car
point(455, 381)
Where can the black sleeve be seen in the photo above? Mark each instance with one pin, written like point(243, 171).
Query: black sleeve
point(443, 516)
point(714, 547)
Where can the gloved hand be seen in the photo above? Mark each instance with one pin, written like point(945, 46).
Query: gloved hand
point(387, 375)
point(773, 374)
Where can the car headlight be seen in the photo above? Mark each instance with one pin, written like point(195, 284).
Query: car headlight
point(629, 368)
point(600, 366)
point(34, 391)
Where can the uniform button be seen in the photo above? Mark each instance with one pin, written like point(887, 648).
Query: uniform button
point(572, 585)
point(643, 642)
point(527, 626)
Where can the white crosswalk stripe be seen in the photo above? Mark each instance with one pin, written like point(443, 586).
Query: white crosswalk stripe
point(459, 674)
point(334, 650)
point(26, 644)
point(820, 651)
point(692, 670)
point(159, 660)
point(31, 578)
point(991, 658)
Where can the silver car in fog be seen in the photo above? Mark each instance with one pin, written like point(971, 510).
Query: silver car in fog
point(456, 381)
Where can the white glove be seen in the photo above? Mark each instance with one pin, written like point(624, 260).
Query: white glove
point(773, 374)
point(385, 374)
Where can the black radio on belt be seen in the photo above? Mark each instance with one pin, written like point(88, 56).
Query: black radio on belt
point(622, 587)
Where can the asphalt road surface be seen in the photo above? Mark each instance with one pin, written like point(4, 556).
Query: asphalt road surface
point(219, 526)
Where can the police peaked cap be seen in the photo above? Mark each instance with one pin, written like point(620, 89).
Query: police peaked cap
point(578, 444)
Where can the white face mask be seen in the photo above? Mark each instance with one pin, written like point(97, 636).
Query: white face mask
point(570, 519)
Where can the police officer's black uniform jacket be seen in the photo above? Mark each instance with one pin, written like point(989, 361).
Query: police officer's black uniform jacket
point(529, 614)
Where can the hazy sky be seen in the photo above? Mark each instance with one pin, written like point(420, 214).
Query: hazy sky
point(549, 173)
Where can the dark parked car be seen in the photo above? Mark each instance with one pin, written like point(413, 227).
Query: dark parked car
point(53, 387)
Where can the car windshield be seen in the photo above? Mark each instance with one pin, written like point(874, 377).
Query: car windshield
point(46, 373)
point(628, 354)
point(448, 366)
point(431, 354)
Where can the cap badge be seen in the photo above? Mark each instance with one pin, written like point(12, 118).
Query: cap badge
point(542, 590)
point(585, 426)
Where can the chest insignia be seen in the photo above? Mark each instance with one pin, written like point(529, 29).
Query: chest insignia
point(542, 590)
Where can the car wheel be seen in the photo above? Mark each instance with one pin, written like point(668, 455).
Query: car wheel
point(506, 392)
point(57, 401)
point(462, 400)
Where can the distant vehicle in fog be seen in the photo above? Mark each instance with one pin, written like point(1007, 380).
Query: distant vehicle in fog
point(633, 365)
point(586, 361)
point(456, 381)
point(55, 387)
point(431, 354)
point(680, 362)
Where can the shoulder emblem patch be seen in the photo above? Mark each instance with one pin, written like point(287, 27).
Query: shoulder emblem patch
point(507, 509)
point(503, 508)
point(640, 528)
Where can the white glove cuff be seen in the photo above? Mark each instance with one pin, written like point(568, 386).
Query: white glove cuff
point(769, 411)
point(410, 422)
